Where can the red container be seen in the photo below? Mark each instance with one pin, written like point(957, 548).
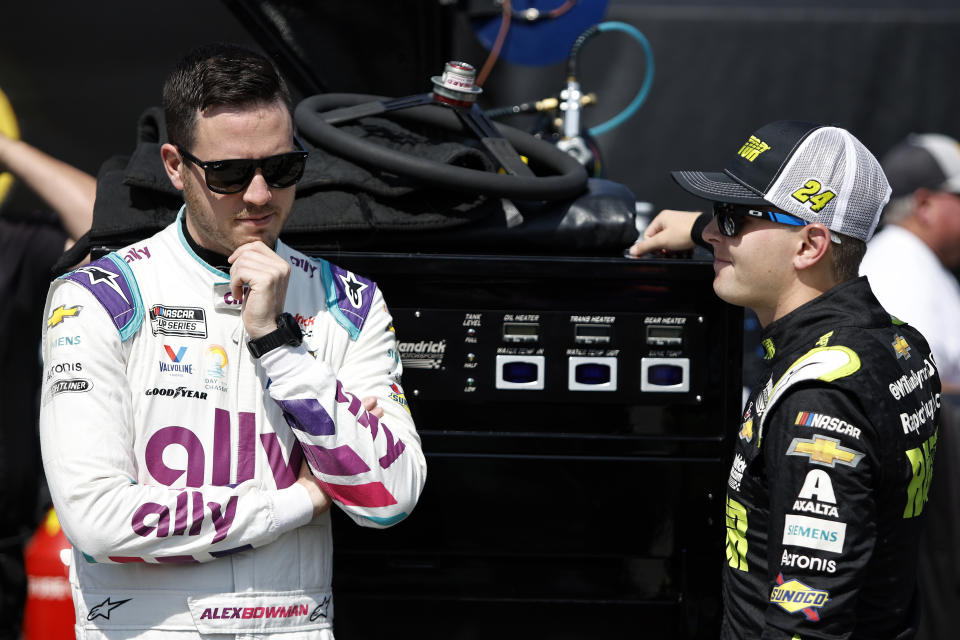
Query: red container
point(49, 613)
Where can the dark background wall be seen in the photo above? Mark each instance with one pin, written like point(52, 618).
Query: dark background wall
point(79, 74)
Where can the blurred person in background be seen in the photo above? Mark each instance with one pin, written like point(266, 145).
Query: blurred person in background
point(910, 260)
point(30, 244)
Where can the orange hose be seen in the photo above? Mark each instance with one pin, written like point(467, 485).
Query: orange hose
point(497, 45)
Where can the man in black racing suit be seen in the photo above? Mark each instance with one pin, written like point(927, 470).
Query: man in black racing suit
point(834, 453)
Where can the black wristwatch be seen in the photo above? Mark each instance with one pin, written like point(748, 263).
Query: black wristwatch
point(287, 332)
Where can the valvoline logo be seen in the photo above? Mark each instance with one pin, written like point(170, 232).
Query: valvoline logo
point(175, 356)
point(174, 363)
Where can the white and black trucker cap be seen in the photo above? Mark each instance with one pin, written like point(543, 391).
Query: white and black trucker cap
point(815, 172)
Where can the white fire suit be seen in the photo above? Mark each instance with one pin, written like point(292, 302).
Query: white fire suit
point(172, 453)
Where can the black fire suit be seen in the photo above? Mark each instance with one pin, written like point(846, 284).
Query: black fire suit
point(830, 475)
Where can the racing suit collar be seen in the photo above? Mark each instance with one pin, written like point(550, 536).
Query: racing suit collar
point(850, 303)
point(216, 260)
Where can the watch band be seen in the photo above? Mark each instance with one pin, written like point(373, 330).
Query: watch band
point(287, 332)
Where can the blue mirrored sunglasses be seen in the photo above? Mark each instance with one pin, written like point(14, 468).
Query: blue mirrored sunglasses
point(730, 218)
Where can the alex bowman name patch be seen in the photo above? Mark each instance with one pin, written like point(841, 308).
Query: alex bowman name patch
point(188, 322)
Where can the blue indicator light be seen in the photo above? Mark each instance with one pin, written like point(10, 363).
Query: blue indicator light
point(519, 372)
point(665, 375)
point(592, 373)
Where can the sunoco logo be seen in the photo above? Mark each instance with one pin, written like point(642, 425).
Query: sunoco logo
point(426, 354)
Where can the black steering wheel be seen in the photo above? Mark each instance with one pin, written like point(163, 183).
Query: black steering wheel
point(317, 116)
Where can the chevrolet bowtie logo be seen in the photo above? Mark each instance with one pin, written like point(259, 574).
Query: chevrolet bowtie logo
point(824, 451)
point(61, 312)
point(901, 347)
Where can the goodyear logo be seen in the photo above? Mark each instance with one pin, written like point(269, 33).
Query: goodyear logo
point(824, 451)
point(61, 313)
point(901, 347)
point(752, 148)
point(793, 596)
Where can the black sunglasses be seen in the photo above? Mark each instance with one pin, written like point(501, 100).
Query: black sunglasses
point(232, 176)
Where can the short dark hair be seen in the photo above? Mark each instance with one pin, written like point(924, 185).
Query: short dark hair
point(217, 75)
point(847, 257)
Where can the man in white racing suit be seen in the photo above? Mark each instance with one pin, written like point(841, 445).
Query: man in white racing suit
point(201, 406)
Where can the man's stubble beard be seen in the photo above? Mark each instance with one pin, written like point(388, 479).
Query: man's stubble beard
point(196, 201)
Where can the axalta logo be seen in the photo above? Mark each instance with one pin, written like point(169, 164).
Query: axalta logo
point(793, 596)
point(426, 354)
point(817, 495)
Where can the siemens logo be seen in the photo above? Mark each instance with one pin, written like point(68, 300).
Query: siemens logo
point(814, 533)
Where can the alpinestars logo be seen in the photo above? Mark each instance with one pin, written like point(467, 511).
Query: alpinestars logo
point(354, 289)
point(103, 609)
point(99, 275)
point(426, 354)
